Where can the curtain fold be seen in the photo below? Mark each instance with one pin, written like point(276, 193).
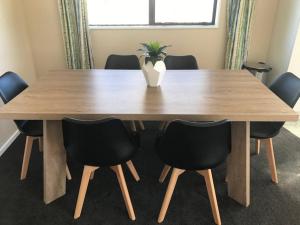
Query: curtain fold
point(239, 15)
point(74, 21)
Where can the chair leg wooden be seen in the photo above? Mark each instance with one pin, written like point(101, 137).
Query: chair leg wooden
point(175, 174)
point(41, 145)
point(26, 157)
point(133, 127)
point(141, 124)
point(83, 187)
point(122, 182)
point(271, 160)
point(257, 146)
point(164, 173)
point(211, 194)
point(69, 177)
point(133, 170)
point(162, 125)
point(92, 175)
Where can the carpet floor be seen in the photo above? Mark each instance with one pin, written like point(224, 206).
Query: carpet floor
point(21, 203)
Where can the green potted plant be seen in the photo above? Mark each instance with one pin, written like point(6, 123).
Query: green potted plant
point(154, 67)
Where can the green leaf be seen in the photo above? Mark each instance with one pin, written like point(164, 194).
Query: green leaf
point(153, 51)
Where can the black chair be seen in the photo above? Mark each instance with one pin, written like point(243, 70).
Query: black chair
point(104, 143)
point(286, 87)
point(196, 146)
point(187, 62)
point(124, 62)
point(10, 86)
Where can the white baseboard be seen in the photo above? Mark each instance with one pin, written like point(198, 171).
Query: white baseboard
point(9, 141)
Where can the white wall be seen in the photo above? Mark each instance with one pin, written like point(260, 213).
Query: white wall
point(283, 37)
point(208, 45)
point(294, 66)
point(44, 28)
point(261, 29)
point(15, 53)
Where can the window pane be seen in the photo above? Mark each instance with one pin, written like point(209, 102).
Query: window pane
point(118, 12)
point(184, 11)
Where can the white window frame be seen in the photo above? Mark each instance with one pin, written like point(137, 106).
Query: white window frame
point(152, 25)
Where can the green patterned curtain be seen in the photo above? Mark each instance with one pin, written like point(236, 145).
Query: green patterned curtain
point(74, 21)
point(239, 14)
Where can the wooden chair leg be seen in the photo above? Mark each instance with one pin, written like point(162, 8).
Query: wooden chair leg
point(69, 177)
point(92, 175)
point(133, 127)
point(271, 160)
point(141, 125)
point(83, 187)
point(162, 125)
point(122, 182)
point(257, 146)
point(26, 157)
point(211, 194)
point(164, 173)
point(41, 145)
point(133, 170)
point(175, 174)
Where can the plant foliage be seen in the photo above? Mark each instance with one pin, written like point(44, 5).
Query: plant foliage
point(153, 51)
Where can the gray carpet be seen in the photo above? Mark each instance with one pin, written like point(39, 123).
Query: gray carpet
point(22, 204)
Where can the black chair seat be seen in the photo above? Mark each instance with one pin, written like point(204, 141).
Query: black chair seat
point(33, 128)
point(265, 130)
point(122, 62)
point(112, 158)
point(194, 146)
point(186, 62)
point(287, 88)
point(191, 161)
point(101, 143)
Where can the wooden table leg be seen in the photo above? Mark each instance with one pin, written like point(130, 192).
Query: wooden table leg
point(239, 164)
point(54, 161)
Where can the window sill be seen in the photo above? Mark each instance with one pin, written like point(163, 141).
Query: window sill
point(180, 27)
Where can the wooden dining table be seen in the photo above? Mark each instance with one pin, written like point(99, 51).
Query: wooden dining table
point(196, 95)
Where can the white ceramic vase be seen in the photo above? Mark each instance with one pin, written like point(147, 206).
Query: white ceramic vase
point(154, 74)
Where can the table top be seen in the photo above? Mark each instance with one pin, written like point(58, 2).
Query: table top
point(191, 95)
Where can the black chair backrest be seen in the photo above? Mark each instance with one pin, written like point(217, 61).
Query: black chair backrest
point(125, 62)
point(287, 87)
point(102, 142)
point(187, 62)
point(10, 86)
point(202, 143)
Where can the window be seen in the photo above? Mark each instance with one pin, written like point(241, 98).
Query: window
point(151, 12)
